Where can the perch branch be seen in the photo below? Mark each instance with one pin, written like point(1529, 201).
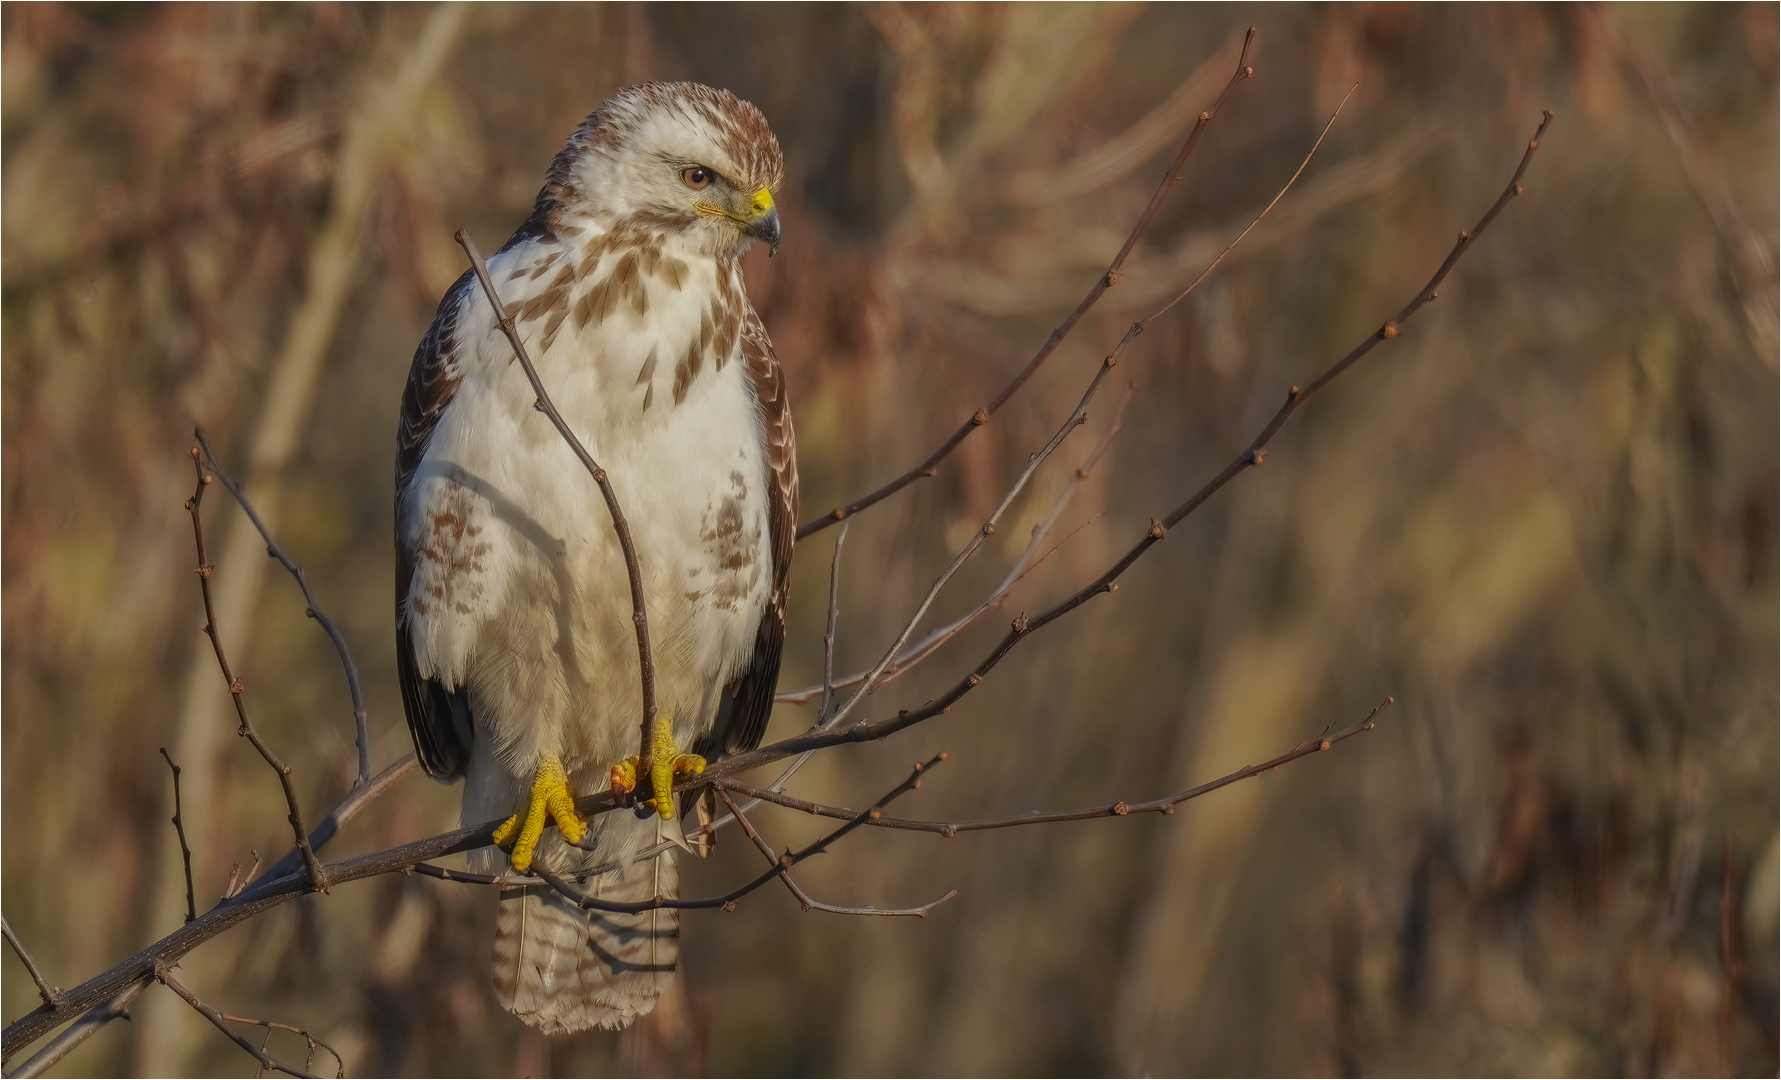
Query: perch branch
point(80, 1031)
point(930, 465)
point(639, 617)
point(185, 853)
point(361, 718)
point(237, 693)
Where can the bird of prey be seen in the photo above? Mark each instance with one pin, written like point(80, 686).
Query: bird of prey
point(514, 631)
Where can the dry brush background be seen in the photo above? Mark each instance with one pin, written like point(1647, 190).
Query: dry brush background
point(1545, 520)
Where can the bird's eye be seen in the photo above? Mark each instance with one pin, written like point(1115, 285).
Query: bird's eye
point(697, 177)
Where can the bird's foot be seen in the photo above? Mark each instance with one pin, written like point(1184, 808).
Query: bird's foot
point(552, 798)
point(667, 764)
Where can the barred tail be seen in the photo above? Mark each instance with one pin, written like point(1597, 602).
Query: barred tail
point(560, 968)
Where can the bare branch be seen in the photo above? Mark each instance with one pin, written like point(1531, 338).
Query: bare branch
point(619, 525)
point(930, 465)
point(803, 898)
point(828, 636)
point(1164, 805)
point(237, 692)
point(211, 1014)
point(45, 989)
point(348, 808)
point(1077, 418)
point(311, 1040)
point(1028, 561)
point(1108, 581)
point(80, 1031)
point(361, 718)
point(185, 853)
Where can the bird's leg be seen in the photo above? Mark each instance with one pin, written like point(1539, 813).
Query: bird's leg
point(552, 797)
point(667, 764)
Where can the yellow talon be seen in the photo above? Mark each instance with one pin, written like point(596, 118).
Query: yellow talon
point(552, 798)
point(667, 764)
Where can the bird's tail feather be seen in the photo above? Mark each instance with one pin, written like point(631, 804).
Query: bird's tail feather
point(560, 968)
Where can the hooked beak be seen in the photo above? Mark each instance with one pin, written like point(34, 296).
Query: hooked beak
point(765, 228)
point(763, 220)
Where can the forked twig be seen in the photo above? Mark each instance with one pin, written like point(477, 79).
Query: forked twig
point(237, 692)
point(930, 465)
point(311, 1040)
point(1028, 561)
point(1108, 581)
point(639, 616)
point(210, 1013)
point(784, 862)
point(361, 718)
point(185, 853)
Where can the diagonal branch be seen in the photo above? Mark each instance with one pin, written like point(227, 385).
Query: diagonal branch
point(620, 526)
point(237, 692)
point(784, 863)
point(1028, 561)
point(1108, 581)
point(1164, 805)
point(45, 989)
point(81, 1030)
point(930, 465)
point(361, 718)
point(210, 1013)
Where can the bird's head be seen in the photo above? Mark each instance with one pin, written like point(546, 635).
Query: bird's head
point(675, 157)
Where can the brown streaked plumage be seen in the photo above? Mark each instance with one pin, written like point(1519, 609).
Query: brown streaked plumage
point(513, 617)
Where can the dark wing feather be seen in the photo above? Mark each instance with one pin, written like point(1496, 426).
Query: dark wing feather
point(748, 702)
point(439, 719)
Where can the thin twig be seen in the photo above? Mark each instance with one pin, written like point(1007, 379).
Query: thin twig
point(118, 1005)
point(356, 801)
point(185, 853)
point(210, 1013)
point(930, 465)
point(312, 1040)
point(1077, 418)
point(1108, 581)
point(1024, 565)
point(361, 718)
point(1164, 805)
point(639, 617)
point(237, 692)
point(828, 635)
point(238, 880)
point(348, 808)
point(1131, 335)
point(45, 989)
point(803, 898)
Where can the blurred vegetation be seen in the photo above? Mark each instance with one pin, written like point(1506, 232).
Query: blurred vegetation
point(1545, 520)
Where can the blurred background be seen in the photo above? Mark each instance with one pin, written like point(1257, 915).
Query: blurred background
point(1544, 520)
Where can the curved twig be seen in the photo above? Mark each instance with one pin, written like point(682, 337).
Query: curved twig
point(361, 718)
point(639, 617)
point(237, 692)
point(930, 465)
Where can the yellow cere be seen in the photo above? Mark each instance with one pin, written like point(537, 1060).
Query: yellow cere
point(762, 203)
